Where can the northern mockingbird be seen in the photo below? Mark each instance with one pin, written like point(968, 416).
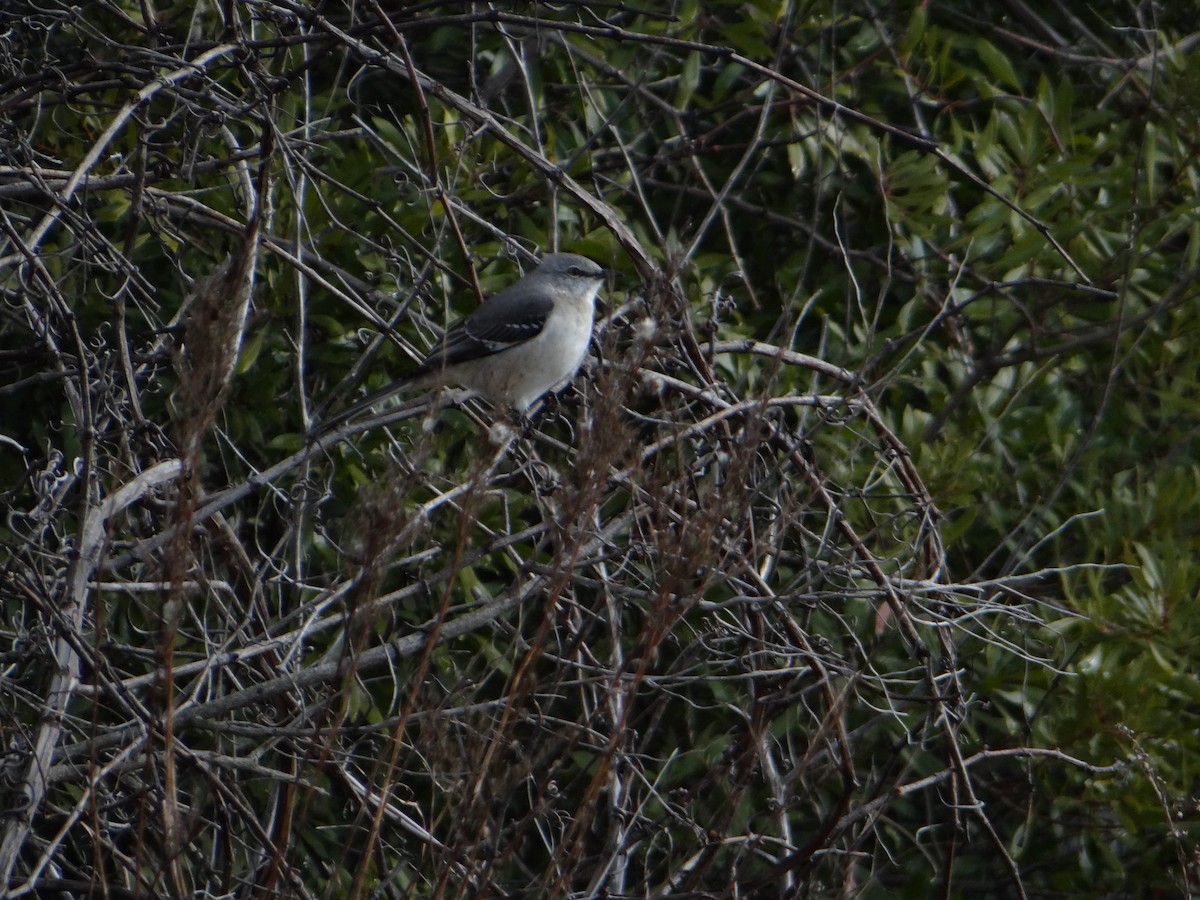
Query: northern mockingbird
point(522, 342)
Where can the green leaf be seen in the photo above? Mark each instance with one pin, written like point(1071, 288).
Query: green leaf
point(997, 64)
point(689, 80)
point(250, 351)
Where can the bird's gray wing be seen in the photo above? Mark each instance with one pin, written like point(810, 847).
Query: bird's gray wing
point(509, 318)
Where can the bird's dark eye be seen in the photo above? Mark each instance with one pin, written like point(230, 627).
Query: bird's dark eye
point(575, 271)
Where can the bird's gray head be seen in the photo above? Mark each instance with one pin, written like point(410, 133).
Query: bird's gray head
point(573, 268)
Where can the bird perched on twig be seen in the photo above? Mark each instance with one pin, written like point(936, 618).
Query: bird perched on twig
point(519, 344)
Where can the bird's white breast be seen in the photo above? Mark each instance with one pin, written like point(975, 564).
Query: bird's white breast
point(520, 375)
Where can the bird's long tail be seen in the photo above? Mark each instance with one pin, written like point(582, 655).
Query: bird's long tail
point(414, 381)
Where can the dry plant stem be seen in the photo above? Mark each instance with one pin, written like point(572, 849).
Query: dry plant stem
point(119, 121)
point(71, 610)
point(485, 119)
point(431, 149)
point(211, 506)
